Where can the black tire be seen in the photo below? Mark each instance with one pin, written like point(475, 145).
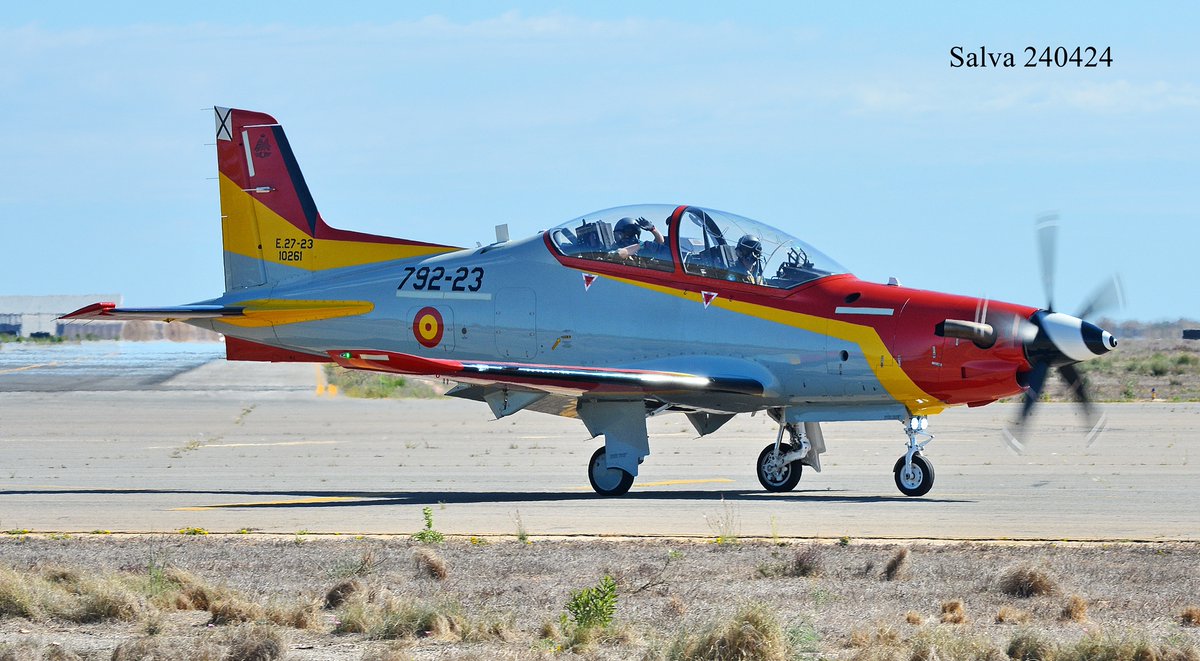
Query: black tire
point(607, 482)
point(788, 476)
point(920, 482)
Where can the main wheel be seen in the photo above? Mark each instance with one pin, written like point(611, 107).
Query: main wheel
point(916, 482)
point(607, 481)
point(775, 475)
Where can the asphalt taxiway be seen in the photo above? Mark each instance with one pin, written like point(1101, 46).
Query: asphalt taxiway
point(231, 446)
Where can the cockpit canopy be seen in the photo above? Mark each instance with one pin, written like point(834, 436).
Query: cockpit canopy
point(711, 244)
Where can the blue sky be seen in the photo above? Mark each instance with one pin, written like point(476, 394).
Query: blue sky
point(436, 121)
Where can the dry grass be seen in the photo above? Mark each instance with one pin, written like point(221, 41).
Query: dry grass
point(805, 563)
point(500, 593)
point(338, 594)
point(404, 618)
point(233, 610)
point(676, 605)
point(954, 612)
point(1031, 646)
point(192, 594)
point(881, 635)
point(897, 567)
point(255, 642)
point(67, 596)
point(1095, 648)
point(943, 645)
point(103, 599)
point(549, 630)
point(1190, 617)
point(17, 596)
point(248, 642)
point(430, 564)
point(1027, 581)
point(386, 654)
point(1076, 609)
point(155, 648)
point(302, 614)
point(753, 633)
point(1009, 615)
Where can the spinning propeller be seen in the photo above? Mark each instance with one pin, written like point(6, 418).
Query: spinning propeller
point(1053, 340)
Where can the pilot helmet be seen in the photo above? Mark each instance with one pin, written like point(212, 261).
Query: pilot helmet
point(749, 247)
point(627, 232)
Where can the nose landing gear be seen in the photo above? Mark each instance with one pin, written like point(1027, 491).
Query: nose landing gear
point(913, 471)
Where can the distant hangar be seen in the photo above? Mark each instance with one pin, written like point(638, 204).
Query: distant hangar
point(37, 316)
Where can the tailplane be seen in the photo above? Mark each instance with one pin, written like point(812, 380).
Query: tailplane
point(271, 229)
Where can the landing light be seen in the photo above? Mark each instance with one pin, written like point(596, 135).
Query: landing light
point(918, 423)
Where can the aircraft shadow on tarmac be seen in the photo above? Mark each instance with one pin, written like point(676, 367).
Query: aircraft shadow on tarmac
point(383, 498)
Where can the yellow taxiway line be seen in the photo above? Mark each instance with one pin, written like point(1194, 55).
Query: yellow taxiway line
point(27, 367)
point(272, 503)
point(237, 445)
point(670, 483)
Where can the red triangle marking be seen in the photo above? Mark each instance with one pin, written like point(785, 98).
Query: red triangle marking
point(708, 297)
point(588, 279)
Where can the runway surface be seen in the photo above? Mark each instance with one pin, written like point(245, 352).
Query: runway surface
point(189, 441)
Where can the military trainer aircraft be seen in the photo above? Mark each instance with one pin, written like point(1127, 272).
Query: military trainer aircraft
point(616, 316)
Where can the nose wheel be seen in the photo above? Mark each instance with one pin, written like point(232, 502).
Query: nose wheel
point(916, 479)
point(914, 473)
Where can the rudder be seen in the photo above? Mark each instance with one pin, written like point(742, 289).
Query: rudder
point(271, 229)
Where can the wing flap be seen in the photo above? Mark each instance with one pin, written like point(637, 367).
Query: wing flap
point(560, 379)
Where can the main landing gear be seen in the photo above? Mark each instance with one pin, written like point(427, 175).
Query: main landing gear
point(914, 472)
point(607, 481)
point(780, 464)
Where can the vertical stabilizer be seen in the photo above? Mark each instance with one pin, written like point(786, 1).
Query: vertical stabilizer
point(271, 229)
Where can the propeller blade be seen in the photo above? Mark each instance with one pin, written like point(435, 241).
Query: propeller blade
point(1012, 328)
point(1108, 295)
point(1035, 381)
point(1047, 239)
point(1077, 386)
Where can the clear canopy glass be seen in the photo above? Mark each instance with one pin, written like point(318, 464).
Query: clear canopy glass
point(712, 244)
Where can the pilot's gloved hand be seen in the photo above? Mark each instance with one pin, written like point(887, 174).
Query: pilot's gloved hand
point(645, 224)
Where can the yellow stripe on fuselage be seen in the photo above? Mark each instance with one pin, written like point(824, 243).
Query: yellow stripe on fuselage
point(890, 375)
point(261, 313)
point(251, 229)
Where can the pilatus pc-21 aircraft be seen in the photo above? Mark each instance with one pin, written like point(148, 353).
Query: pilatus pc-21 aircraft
point(616, 316)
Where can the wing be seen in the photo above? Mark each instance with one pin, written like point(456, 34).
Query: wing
point(554, 379)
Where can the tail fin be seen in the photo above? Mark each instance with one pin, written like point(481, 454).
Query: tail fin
point(270, 226)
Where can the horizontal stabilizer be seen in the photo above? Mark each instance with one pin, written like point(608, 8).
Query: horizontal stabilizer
point(247, 314)
point(110, 312)
point(552, 378)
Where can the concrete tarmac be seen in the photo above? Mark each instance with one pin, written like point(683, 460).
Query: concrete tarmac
point(230, 446)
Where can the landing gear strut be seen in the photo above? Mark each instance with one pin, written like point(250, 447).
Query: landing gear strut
point(779, 464)
point(914, 472)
